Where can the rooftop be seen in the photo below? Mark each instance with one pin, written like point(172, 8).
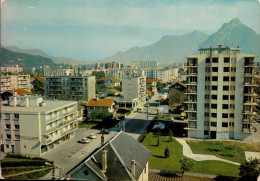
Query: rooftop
point(100, 102)
point(20, 92)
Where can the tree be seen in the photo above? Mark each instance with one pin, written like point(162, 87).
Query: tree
point(250, 170)
point(186, 165)
point(158, 140)
point(98, 74)
point(170, 135)
point(166, 152)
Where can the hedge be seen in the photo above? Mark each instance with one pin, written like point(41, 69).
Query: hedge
point(7, 163)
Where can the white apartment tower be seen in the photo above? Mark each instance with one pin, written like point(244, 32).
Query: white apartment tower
point(31, 125)
point(220, 94)
point(134, 87)
point(72, 87)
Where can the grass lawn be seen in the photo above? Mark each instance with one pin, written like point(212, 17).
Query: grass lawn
point(157, 160)
point(225, 151)
point(87, 125)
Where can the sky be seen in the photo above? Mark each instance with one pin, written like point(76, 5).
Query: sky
point(95, 29)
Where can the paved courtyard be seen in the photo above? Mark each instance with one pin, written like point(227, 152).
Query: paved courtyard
point(70, 153)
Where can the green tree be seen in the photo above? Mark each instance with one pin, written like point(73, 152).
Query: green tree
point(186, 165)
point(98, 74)
point(119, 88)
point(158, 140)
point(170, 135)
point(166, 152)
point(250, 170)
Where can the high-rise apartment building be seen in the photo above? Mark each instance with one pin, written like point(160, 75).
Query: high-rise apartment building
point(75, 87)
point(112, 65)
point(31, 125)
point(220, 93)
point(145, 64)
point(134, 88)
point(10, 82)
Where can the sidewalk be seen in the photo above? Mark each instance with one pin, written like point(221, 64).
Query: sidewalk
point(200, 157)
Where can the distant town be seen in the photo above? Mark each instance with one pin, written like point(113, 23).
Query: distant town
point(186, 107)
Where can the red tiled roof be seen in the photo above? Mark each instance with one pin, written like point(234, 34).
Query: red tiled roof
point(40, 78)
point(114, 91)
point(110, 86)
point(100, 102)
point(115, 80)
point(180, 83)
point(150, 81)
point(20, 92)
point(103, 79)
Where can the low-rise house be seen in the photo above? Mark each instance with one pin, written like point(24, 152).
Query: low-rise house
point(121, 158)
point(110, 81)
point(38, 84)
point(101, 104)
point(176, 93)
point(113, 92)
point(151, 83)
point(20, 92)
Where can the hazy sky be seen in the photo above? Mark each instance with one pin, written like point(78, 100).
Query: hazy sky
point(95, 29)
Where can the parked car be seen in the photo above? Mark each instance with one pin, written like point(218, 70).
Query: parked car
point(105, 131)
point(84, 140)
point(92, 136)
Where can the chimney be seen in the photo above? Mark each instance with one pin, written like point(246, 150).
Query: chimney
point(133, 164)
point(26, 101)
point(102, 138)
point(104, 160)
point(14, 102)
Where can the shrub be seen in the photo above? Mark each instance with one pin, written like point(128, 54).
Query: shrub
point(250, 170)
point(166, 152)
point(142, 137)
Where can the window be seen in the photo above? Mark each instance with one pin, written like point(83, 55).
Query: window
point(16, 127)
point(225, 97)
point(214, 97)
point(7, 116)
point(232, 88)
point(8, 126)
point(207, 69)
point(226, 59)
point(207, 60)
point(207, 87)
point(225, 125)
point(224, 115)
point(206, 132)
point(206, 114)
point(215, 60)
point(214, 69)
point(206, 123)
point(233, 60)
point(213, 106)
point(214, 87)
point(16, 116)
point(232, 106)
point(7, 146)
point(213, 124)
point(206, 96)
point(233, 69)
point(206, 105)
point(226, 69)
point(231, 124)
point(233, 78)
point(8, 136)
point(214, 115)
point(17, 137)
point(225, 88)
point(232, 97)
point(225, 106)
point(214, 78)
point(231, 115)
point(207, 78)
point(225, 78)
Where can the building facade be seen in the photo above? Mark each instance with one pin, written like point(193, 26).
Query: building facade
point(10, 82)
point(134, 88)
point(220, 94)
point(32, 126)
point(112, 65)
point(75, 87)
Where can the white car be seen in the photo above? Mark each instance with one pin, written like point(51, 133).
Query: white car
point(84, 140)
point(92, 136)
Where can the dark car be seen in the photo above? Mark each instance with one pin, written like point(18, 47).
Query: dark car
point(105, 131)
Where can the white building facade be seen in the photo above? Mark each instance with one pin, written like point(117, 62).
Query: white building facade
point(10, 82)
point(220, 94)
point(32, 126)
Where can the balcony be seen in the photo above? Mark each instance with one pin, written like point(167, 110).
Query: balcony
point(70, 130)
point(250, 103)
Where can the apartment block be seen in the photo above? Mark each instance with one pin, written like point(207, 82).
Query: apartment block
point(15, 69)
point(73, 87)
point(134, 88)
point(10, 82)
point(31, 125)
point(145, 64)
point(220, 94)
point(112, 65)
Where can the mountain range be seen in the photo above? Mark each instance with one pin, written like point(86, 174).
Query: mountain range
point(174, 48)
